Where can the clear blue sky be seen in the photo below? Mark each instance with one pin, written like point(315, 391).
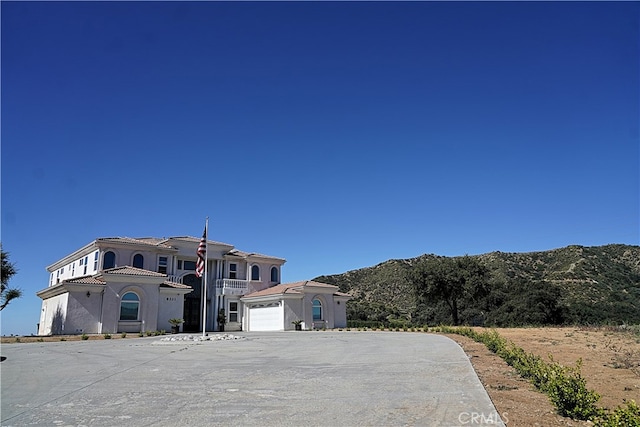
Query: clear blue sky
point(336, 135)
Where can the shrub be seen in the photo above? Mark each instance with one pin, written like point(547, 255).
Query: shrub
point(84, 337)
point(627, 416)
point(124, 335)
point(107, 336)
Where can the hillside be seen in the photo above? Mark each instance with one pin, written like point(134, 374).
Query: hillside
point(575, 284)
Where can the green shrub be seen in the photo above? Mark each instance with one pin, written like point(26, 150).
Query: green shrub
point(622, 416)
point(84, 337)
point(123, 335)
point(107, 336)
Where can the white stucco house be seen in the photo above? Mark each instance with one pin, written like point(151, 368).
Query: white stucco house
point(123, 284)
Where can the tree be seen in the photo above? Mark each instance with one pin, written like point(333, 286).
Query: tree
point(450, 280)
point(8, 270)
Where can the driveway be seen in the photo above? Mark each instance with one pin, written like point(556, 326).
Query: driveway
point(321, 378)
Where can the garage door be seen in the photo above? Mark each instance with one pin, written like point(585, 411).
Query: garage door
point(265, 317)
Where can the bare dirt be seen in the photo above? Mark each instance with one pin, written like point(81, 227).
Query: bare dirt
point(610, 364)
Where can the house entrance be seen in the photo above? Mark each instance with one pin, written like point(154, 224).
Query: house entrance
point(192, 304)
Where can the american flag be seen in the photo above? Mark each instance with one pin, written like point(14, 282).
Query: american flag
point(201, 252)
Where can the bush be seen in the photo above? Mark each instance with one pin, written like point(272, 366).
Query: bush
point(107, 336)
point(84, 337)
point(622, 416)
point(565, 386)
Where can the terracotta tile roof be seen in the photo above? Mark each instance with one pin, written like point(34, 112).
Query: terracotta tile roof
point(175, 285)
point(195, 240)
point(293, 288)
point(276, 290)
point(133, 271)
point(243, 254)
point(86, 280)
point(150, 241)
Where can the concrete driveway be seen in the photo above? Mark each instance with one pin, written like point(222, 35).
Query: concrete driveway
point(265, 379)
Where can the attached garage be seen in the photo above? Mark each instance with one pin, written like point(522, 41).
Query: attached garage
point(315, 305)
point(265, 317)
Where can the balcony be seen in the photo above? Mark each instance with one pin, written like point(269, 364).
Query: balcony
point(232, 287)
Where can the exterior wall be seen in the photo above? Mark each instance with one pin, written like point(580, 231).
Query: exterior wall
point(340, 313)
point(147, 313)
point(53, 315)
point(73, 269)
point(171, 306)
point(293, 310)
point(124, 256)
point(83, 313)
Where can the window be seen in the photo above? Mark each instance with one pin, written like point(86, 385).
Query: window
point(189, 265)
point(233, 311)
point(86, 262)
point(255, 273)
point(317, 309)
point(81, 261)
point(233, 271)
point(274, 274)
point(138, 261)
point(95, 261)
point(162, 264)
point(109, 260)
point(129, 306)
point(73, 269)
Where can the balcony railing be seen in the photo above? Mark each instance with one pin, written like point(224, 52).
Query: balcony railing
point(232, 287)
point(224, 286)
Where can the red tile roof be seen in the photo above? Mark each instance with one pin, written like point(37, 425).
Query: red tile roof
point(293, 288)
point(133, 271)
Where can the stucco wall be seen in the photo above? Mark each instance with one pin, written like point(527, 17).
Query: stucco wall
point(53, 315)
point(148, 310)
point(170, 306)
point(83, 313)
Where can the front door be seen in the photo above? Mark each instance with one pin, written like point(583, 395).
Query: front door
point(192, 302)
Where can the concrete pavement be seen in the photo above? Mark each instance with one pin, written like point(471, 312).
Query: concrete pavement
point(323, 378)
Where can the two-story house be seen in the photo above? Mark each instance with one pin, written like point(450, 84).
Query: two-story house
point(122, 284)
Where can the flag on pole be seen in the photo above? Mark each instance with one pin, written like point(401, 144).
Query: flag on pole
point(202, 253)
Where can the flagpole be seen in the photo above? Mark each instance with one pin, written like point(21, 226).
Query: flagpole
point(204, 299)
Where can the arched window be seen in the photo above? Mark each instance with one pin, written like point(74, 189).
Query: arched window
point(138, 261)
point(317, 309)
point(129, 306)
point(255, 273)
point(109, 260)
point(274, 274)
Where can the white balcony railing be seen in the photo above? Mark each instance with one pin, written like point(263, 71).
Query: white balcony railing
point(232, 287)
point(224, 286)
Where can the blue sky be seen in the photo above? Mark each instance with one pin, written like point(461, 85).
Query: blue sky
point(336, 135)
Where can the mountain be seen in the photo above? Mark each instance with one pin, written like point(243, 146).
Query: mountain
point(575, 284)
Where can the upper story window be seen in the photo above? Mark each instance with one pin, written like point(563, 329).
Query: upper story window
point(162, 264)
point(138, 261)
point(317, 309)
point(274, 274)
point(233, 270)
point(186, 265)
point(129, 306)
point(109, 260)
point(86, 262)
point(95, 261)
point(255, 273)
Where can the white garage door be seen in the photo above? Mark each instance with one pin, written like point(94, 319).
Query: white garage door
point(266, 317)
